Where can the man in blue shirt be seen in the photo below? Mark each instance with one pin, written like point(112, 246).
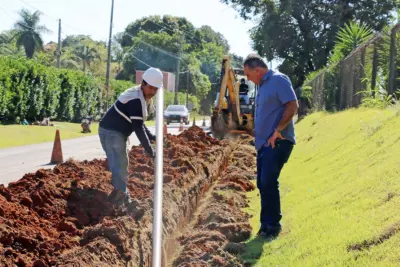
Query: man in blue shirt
point(276, 105)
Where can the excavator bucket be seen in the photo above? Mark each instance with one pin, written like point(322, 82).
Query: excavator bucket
point(219, 126)
point(227, 117)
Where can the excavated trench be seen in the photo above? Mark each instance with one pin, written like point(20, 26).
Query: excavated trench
point(68, 217)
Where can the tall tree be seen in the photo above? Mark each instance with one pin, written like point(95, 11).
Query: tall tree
point(157, 24)
point(155, 41)
point(86, 54)
point(29, 32)
point(236, 61)
point(210, 36)
point(302, 32)
point(83, 51)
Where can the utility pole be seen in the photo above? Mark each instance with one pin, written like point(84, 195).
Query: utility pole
point(59, 44)
point(187, 89)
point(178, 66)
point(109, 51)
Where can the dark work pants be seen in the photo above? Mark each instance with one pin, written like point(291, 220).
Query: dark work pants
point(269, 165)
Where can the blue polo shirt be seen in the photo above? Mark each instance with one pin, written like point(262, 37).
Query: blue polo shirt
point(275, 90)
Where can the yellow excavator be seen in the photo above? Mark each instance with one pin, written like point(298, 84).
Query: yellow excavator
point(233, 111)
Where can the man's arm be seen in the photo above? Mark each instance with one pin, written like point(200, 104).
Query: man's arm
point(290, 110)
point(288, 98)
point(151, 136)
point(136, 116)
point(142, 136)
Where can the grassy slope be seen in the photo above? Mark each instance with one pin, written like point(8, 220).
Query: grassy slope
point(341, 187)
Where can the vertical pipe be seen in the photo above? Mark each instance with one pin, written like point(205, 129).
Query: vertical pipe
point(158, 188)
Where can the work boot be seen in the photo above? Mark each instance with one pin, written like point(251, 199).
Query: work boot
point(118, 196)
point(269, 232)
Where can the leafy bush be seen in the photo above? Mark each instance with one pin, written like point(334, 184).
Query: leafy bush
point(33, 91)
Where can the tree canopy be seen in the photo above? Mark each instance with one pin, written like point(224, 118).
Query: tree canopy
point(29, 32)
point(150, 41)
point(155, 41)
point(303, 32)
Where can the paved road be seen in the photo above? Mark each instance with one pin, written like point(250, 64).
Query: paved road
point(17, 161)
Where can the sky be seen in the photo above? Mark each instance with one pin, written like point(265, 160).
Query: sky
point(91, 17)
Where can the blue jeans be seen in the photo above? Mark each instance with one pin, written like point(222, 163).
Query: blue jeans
point(269, 165)
point(115, 146)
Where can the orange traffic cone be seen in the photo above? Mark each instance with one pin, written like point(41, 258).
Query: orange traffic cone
point(181, 126)
point(56, 155)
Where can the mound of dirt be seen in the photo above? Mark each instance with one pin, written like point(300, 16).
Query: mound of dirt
point(221, 226)
point(67, 217)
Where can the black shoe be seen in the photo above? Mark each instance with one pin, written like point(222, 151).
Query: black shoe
point(270, 232)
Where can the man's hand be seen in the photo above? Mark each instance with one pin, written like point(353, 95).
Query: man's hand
point(274, 137)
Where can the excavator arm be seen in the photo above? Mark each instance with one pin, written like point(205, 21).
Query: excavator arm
point(227, 116)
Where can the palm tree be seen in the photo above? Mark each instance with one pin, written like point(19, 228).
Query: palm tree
point(29, 32)
point(349, 37)
point(86, 54)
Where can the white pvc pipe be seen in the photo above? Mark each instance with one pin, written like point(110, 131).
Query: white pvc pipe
point(158, 187)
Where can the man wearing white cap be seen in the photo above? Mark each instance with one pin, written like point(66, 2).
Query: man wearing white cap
point(126, 116)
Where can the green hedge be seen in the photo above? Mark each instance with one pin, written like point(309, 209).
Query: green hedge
point(33, 91)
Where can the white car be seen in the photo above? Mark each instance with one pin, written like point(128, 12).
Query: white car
point(174, 113)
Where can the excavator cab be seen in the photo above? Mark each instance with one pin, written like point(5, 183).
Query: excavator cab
point(246, 97)
point(233, 112)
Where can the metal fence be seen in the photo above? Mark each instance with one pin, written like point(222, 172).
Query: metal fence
point(369, 70)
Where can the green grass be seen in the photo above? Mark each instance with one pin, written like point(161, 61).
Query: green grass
point(341, 187)
point(18, 135)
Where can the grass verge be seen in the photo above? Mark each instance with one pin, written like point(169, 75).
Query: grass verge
point(19, 135)
point(340, 194)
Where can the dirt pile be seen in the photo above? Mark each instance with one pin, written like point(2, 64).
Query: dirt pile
point(44, 213)
point(66, 216)
point(221, 226)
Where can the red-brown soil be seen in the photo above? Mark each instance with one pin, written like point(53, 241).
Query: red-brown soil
point(66, 216)
point(221, 226)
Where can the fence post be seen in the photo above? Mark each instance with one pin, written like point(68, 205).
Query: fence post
point(362, 83)
point(314, 92)
point(392, 64)
point(374, 69)
point(322, 91)
point(337, 88)
point(342, 86)
point(351, 88)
